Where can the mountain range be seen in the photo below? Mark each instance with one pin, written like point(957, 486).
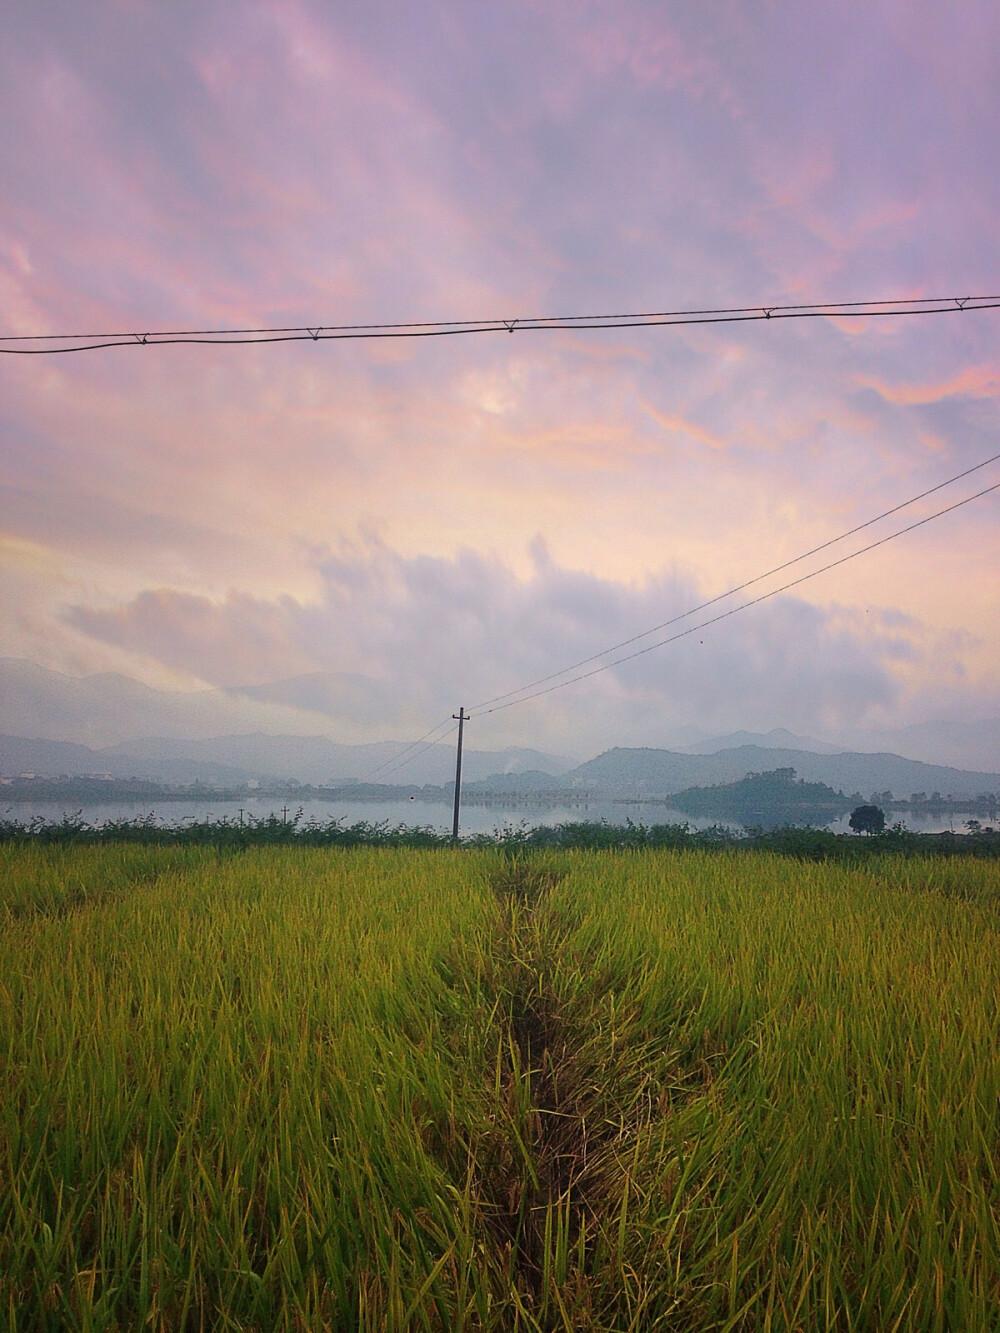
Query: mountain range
point(237, 760)
point(619, 773)
point(108, 724)
point(646, 773)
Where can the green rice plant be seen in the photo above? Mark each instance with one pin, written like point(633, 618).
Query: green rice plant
point(210, 1088)
point(292, 1088)
point(821, 1047)
point(52, 879)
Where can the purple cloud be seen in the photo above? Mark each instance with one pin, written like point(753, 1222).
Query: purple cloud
point(435, 632)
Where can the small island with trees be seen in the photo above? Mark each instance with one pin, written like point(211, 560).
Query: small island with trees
point(764, 800)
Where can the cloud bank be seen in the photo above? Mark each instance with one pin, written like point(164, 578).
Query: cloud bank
point(430, 633)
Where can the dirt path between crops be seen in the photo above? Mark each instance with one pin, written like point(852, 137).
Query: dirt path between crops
point(539, 1207)
point(572, 1090)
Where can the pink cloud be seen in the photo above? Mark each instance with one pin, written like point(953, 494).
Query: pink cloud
point(241, 641)
point(679, 425)
point(432, 629)
point(981, 381)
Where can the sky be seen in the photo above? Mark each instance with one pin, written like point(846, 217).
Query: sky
point(437, 522)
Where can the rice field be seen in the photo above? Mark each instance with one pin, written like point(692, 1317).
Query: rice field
point(367, 1089)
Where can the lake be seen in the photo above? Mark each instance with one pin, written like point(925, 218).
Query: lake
point(476, 818)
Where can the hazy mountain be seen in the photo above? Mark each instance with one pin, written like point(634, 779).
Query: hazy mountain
point(316, 759)
point(233, 760)
point(49, 758)
point(53, 759)
point(107, 709)
point(962, 744)
point(268, 732)
point(664, 772)
point(258, 756)
point(776, 739)
point(280, 731)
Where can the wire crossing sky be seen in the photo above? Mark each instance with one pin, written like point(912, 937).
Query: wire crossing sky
point(485, 705)
point(89, 342)
point(525, 693)
point(724, 615)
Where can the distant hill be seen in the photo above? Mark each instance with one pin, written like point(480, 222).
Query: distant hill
point(776, 739)
point(107, 708)
point(533, 782)
point(317, 759)
point(52, 759)
point(618, 773)
point(962, 744)
point(236, 760)
point(267, 732)
point(653, 773)
point(109, 723)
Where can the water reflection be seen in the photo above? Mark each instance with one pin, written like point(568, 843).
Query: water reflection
point(476, 818)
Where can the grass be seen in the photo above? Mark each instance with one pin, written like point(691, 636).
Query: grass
point(839, 1167)
point(292, 1088)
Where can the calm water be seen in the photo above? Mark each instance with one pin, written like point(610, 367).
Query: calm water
point(437, 814)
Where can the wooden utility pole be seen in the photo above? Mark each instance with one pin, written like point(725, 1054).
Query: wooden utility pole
point(461, 717)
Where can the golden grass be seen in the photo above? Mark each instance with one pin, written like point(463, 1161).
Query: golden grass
point(381, 1089)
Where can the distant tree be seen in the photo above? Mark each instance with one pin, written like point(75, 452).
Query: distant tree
point(867, 819)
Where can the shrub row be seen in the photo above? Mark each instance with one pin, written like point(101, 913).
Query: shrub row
point(809, 844)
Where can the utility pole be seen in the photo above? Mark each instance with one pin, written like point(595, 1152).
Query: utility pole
point(460, 717)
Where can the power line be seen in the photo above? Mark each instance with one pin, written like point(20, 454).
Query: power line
point(402, 763)
point(724, 615)
point(397, 761)
point(740, 587)
point(62, 343)
point(498, 703)
point(440, 740)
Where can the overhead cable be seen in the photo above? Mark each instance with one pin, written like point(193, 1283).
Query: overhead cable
point(400, 760)
point(49, 344)
point(740, 587)
point(417, 754)
point(724, 615)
